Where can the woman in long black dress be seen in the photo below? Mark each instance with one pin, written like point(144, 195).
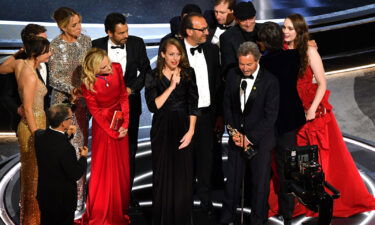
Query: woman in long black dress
point(172, 95)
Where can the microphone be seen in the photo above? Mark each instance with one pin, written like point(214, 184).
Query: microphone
point(243, 85)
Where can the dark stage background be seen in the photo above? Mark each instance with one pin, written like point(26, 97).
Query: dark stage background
point(154, 11)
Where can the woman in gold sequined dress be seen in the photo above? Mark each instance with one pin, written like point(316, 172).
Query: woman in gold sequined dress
point(32, 91)
point(69, 49)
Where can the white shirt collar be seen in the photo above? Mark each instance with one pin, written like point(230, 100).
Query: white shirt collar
point(188, 46)
point(56, 130)
point(110, 43)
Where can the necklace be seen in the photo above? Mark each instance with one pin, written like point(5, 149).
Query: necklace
point(103, 78)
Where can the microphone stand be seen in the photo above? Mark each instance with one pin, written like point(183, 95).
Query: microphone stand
point(243, 87)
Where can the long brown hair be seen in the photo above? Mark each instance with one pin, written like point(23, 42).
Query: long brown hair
point(184, 63)
point(301, 41)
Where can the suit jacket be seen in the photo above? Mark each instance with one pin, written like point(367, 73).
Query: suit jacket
point(58, 170)
point(137, 60)
point(285, 64)
point(211, 54)
point(230, 40)
point(261, 108)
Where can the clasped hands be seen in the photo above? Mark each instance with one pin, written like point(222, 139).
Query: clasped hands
point(83, 151)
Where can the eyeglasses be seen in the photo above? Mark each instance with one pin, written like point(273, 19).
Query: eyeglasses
point(201, 30)
point(69, 118)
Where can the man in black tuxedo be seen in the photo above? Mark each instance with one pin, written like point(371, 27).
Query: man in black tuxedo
point(246, 29)
point(58, 168)
point(285, 65)
point(204, 58)
point(254, 119)
point(130, 52)
point(220, 19)
point(9, 94)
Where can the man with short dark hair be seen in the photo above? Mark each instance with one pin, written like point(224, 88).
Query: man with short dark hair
point(175, 22)
point(9, 94)
point(246, 29)
point(251, 102)
point(58, 168)
point(130, 52)
point(204, 58)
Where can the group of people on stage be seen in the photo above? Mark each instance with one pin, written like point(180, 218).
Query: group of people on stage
point(220, 68)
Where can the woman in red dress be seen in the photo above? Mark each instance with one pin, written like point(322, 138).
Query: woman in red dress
point(321, 128)
point(104, 90)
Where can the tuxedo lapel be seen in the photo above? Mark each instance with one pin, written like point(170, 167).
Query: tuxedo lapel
point(129, 55)
point(254, 91)
point(104, 44)
point(209, 63)
point(236, 92)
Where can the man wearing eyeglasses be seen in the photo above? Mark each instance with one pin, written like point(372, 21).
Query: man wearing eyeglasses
point(58, 168)
point(204, 58)
point(246, 29)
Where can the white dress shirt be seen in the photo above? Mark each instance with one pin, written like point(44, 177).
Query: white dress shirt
point(216, 38)
point(117, 55)
point(56, 130)
point(43, 72)
point(198, 62)
point(249, 88)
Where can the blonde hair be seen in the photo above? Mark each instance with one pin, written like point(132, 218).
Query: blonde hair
point(91, 66)
point(62, 16)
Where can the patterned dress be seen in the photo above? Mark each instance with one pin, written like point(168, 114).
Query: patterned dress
point(64, 64)
point(30, 214)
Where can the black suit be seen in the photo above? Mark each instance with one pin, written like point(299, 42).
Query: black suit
point(285, 66)
point(203, 136)
point(259, 118)
point(230, 40)
point(58, 171)
point(136, 60)
point(11, 99)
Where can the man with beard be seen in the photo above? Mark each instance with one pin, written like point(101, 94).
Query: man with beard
point(246, 29)
point(130, 52)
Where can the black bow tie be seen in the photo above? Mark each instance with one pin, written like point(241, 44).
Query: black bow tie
point(118, 46)
point(199, 49)
point(248, 77)
point(221, 26)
